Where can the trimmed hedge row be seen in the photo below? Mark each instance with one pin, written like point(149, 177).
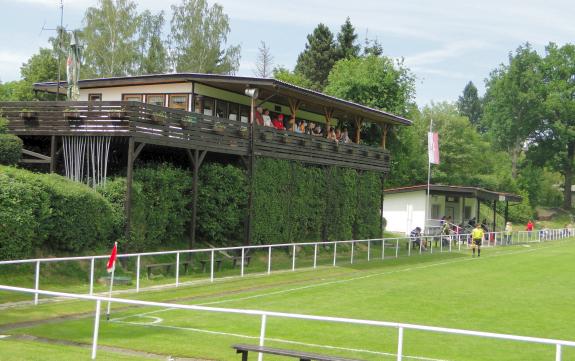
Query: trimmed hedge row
point(10, 145)
point(50, 212)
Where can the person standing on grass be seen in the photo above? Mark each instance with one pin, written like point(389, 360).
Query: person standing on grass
point(529, 229)
point(476, 239)
point(508, 232)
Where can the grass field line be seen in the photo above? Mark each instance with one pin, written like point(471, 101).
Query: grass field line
point(385, 273)
point(279, 340)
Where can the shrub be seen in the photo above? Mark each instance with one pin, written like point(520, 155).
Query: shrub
point(10, 145)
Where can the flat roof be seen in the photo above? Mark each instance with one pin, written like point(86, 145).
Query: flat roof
point(477, 192)
point(272, 90)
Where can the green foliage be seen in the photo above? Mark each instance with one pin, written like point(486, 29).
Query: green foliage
point(56, 214)
point(292, 77)
point(198, 28)
point(470, 105)
point(318, 57)
point(10, 149)
point(296, 203)
point(152, 52)
point(222, 197)
point(347, 46)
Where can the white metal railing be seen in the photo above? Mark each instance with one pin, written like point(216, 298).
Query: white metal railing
point(419, 245)
point(401, 327)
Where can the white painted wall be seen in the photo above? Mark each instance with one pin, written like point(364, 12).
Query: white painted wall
point(404, 211)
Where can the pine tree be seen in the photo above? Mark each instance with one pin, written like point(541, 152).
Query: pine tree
point(470, 105)
point(346, 41)
point(319, 56)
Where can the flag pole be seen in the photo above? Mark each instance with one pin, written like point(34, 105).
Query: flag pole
point(427, 199)
point(111, 284)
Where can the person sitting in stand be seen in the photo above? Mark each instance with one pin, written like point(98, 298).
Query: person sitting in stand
point(415, 236)
point(338, 134)
point(278, 122)
point(258, 116)
point(310, 128)
point(267, 118)
point(298, 127)
point(331, 135)
point(345, 137)
point(302, 126)
point(317, 131)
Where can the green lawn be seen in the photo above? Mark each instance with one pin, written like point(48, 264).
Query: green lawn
point(525, 290)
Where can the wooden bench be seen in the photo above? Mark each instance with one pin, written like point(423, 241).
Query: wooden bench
point(303, 356)
point(238, 260)
point(167, 266)
point(205, 262)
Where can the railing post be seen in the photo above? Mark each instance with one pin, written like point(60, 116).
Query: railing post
point(397, 248)
point(408, 247)
point(430, 241)
point(352, 249)
point(37, 282)
point(92, 276)
point(293, 258)
point(177, 269)
point(383, 248)
point(138, 274)
point(420, 244)
point(334, 253)
point(242, 264)
point(368, 251)
point(212, 266)
point(262, 336)
point(315, 256)
point(96, 329)
point(269, 259)
point(400, 344)
point(558, 352)
point(459, 242)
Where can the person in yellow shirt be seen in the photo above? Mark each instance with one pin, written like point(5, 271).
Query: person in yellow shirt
point(477, 238)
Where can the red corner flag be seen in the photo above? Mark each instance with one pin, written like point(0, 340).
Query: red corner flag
point(112, 261)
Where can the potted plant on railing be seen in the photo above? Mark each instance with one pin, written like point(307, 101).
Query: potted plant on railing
point(188, 121)
point(121, 114)
point(244, 132)
point(71, 114)
point(219, 127)
point(159, 118)
point(28, 114)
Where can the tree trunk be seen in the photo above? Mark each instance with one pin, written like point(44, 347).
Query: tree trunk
point(514, 159)
point(568, 170)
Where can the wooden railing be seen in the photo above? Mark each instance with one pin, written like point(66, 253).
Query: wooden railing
point(178, 128)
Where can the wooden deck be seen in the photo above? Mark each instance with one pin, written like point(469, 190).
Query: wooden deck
point(181, 129)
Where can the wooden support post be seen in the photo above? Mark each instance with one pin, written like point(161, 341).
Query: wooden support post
point(506, 211)
point(196, 158)
point(53, 154)
point(328, 114)
point(384, 129)
point(477, 215)
point(193, 100)
point(129, 178)
point(357, 136)
point(294, 105)
point(382, 180)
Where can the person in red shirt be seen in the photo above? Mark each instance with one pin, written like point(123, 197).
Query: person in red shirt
point(278, 122)
point(258, 116)
point(529, 228)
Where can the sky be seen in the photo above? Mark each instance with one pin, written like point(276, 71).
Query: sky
point(446, 43)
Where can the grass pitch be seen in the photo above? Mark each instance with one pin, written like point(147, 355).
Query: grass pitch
point(524, 290)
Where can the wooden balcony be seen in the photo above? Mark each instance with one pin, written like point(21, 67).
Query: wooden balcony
point(181, 129)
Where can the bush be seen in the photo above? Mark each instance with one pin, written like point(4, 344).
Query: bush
point(222, 198)
point(68, 216)
point(10, 149)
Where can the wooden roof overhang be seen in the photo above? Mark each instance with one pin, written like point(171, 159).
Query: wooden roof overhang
point(472, 192)
point(272, 90)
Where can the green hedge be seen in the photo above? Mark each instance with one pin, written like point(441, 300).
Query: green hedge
point(10, 145)
point(50, 212)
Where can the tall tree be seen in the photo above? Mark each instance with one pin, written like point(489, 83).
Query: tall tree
point(318, 57)
point(264, 61)
point(555, 141)
point(347, 46)
point(198, 37)
point(469, 104)
point(292, 77)
point(513, 102)
point(110, 31)
point(153, 54)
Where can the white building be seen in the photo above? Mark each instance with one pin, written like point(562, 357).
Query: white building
point(404, 207)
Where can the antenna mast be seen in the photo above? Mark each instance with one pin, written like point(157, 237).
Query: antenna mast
point(60, 31)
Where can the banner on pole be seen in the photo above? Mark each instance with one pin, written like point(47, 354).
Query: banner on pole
point(433, 147)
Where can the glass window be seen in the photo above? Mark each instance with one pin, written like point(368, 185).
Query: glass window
point(221, 109)
point(179, 101)
point(244, 113)
point(132, 97)
point(94, 97)
point(208, 106)
point(156, 99)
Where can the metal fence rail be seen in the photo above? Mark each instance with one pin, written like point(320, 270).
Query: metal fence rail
point(425, 244)
point(401, 327)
